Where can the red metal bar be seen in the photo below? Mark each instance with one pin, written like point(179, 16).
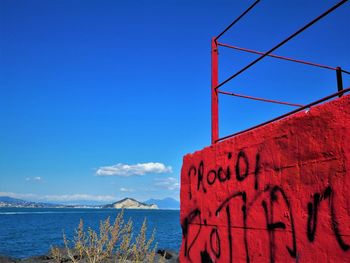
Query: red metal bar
point(214, 94)
point(237, 19)
point(283, 42)
point(277, 56)
point(289, 113)
point(260, 99)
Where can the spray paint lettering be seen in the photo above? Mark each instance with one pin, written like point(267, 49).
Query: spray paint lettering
point(270, 198)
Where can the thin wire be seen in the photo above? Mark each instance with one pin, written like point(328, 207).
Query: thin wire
point(347, 72)
point(277, 56)
point(289, 113)
point(260, 99)
point(237, 19)
point(283, 42)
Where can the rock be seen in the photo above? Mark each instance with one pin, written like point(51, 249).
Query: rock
point(4, 259)
point(169, 256)
point(37, 259)
point(164, 254)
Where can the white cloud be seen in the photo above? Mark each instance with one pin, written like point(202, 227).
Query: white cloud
point(60, 198)
point(169, 183)
point(133, 169)
point(37, 179)
point(126, 190)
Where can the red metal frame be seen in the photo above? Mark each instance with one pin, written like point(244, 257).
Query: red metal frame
point(283, 42)
point(215, 85)
point(214, 92)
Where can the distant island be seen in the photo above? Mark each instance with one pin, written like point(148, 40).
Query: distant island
point(130, 203)
point(126, 203)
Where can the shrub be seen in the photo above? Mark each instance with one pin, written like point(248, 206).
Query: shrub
point(111, 243)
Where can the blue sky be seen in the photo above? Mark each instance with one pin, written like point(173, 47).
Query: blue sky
point(101, 99)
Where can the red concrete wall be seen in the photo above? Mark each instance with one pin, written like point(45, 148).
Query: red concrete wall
point(279, 193)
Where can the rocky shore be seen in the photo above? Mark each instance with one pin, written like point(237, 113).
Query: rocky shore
point(167, 256)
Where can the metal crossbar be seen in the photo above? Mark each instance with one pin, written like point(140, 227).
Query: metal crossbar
point(260, 99)
point(277, 56)
point(283, 42)
point(215, 84)
point(289, 113)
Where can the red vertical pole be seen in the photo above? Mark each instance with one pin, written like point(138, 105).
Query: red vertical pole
point(214, 92)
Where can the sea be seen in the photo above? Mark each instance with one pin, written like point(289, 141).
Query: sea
point(27, 232)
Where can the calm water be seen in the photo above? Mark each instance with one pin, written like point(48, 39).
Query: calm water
point(26, 232)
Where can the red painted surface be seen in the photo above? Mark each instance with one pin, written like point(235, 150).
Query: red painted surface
point(279, 193)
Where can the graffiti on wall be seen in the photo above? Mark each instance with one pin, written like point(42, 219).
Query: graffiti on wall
point(257, 202)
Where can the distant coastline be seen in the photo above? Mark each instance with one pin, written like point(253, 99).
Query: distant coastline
point(126, 203)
